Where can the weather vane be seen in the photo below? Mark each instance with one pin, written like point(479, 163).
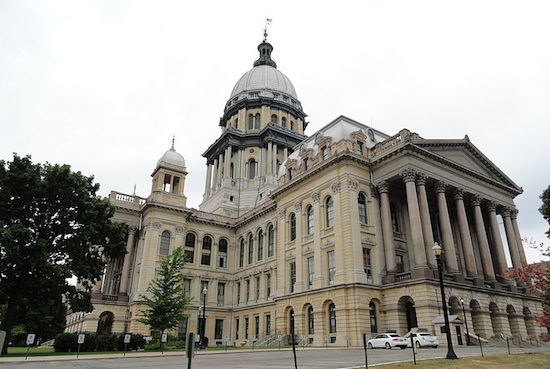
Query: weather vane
point(267, 23)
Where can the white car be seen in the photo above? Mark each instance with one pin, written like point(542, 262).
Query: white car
point(387, 341)
point(422, 339)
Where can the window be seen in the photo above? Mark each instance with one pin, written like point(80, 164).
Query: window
point(324, 152)
point(373, 320)
point(187, 287)
point(241, 253)
point(305, 163)
point(360, 147)
point(204, 296)
point(362, 205)
point(331, 267)
point(309, 219)
point(399, 263)
point(236, 328)
point(182, 329)
point(310, 322)
point(329, 212)
point(274, 119)
point(310, 271)
point(250, 249)
point(332, 318)
point(248, 290)
point(292, 270)
point(257, 285)
point(218, 330)
point(221, 294)
point(250, 121)
point(270, 241)
point(256, 327)
point(252, 169)
point(222, 253)
point(246, 326)
point(367, 265)
point(238, 292)
point(292, 125)
point(267, 325)
point(289, 174)
point(257, 121)
point(268, 285)
point(206, 250)
point(292, 227)
point(283, 122)
point(164, 243)
point(394, 218)
point(260, 245)
point(190, 247)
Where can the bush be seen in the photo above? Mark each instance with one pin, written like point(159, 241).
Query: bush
point(106, 342)
point(173, 342)
point(137, 342)
point(65, 342)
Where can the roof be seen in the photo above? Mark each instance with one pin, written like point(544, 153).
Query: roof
point(264, 78)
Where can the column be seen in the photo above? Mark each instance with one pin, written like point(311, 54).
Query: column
point(208, 183)
point(318, 281)
point(240, 169)
point(215, 179)
point(275, 159)
point(501, 264)
point(352, 233)
point(282, 267)
point(468, 248)
point(338, 234)
point(374, 210)
point(285, 153)
point(451, 262)
point(511, 238)
point(227, 162)
point(269, 158)
point(298, 248)
point(127, 259)
point(263, 162)
point(519, 242)
point(484, 251)
point(417, 237)
point(425, 218)
point(387, 230)
point(220, 170)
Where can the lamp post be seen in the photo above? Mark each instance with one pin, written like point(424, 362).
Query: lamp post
point(465, 322)
point(202, 345)
point(450, 352)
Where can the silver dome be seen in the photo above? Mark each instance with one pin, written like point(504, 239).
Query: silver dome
point(173, 158)
point(264, 77)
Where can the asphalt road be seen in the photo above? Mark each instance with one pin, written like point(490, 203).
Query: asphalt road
point(307, 359)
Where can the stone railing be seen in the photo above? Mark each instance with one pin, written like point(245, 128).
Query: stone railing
point(402, 276)
point(112, 298)
point(403, 136)
point(122, 197)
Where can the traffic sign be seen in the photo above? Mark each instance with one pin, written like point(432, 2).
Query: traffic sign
point(127, 337)
point(30, 338)
point(81, 338)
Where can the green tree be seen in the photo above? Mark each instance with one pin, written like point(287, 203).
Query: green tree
point(166, 300)
point(53, 226)
point(545, 207)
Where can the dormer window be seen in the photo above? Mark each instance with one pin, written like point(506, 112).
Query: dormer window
point(360, 147)
point(289, 174)
point(324, 153)
point(305, 163)
point(283, 122)
point(292, 125)
point(274, 119)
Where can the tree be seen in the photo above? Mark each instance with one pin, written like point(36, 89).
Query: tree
point(545, 207)
point(53, 226)
point(166, 300)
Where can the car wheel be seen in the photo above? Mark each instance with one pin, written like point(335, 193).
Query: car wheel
point(435, 346)
point(369, 345)
point(388, 346)
point(418, 345)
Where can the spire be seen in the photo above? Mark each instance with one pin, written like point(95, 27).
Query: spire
point(265, 50)
point(173, 140)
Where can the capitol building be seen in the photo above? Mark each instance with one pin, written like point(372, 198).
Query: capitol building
point(331, 232)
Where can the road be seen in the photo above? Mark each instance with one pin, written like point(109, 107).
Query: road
point(307, 359)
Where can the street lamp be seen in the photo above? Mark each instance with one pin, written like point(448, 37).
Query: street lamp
point(203, 320)
point(465, 322)
point(450, 352)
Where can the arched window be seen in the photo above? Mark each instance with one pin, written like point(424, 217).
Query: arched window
point(252, 169)
point(373, 318)
point(250, 121)
point(331, 318)
point(362, 205)
point(250, 249)
point(270, 241)
point(241, 253)
point(309, 219)
point(206, 250)
point(222, 253)
point(292, 227)
point(231, 170)
point(257, 121)
point(164, 243)
point(292, 125)
point(310, 324)
point(283, 122)
point(274, 119)
point(329, 212)
point(190, 247)
point(260, 245)
point(394, 218)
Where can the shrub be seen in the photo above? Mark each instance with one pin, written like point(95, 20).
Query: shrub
point(65, 342)
point(137, 342)
point(106, 342)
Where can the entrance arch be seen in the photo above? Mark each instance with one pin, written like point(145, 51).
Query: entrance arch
point(513, 321)
point(407, 314)
point(105, 322)
point(478, 323)
point(497, 328)
point(529, 323)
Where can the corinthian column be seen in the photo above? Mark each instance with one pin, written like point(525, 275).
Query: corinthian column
point(484, 251)
point(502, 266)
point(519, 242)
point(127, 260)
point(425, 218)
point(208, 183)
point(417, 237)
point(465, 236)
point(451, 262)
point(215, 179)
point(387, 230)
point(511, 238)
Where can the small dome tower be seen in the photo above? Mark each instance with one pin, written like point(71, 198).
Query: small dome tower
point(169, 179)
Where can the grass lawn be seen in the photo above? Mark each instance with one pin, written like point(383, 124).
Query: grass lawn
point(539, 360)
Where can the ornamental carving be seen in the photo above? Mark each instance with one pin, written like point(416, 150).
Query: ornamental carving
point(408, 175)
point(383, 187)
point(440, 187)
point(132, 230)
point(421, 179)
point(353, 185)
point(505, 212)
point(156, 225)
point(475, 200)
point(282, 214)
point(514, 213)
point(458, 194)
point(315, 196)
point(298, 206)
point(492, 206)
point(179, 229)
point(373, 191)
point(335, 187)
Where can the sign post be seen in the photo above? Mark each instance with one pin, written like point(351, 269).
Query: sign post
point(226, 341)
point(80, 341)
point(480, 345)
point(163, 340)
point(190, 346)
point(413, 348)
point(30, 341)
point(293, 345)
point(127, 340)
point(365, 339)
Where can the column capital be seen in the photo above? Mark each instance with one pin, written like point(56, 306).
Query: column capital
point(458, 194)
point(440, 187)
point(316, 196)
point(374, 191)
point(383, 187)
point(132, 230)
point(492, 207)
point(514, 213)
point(298, 206)
point(282, 214)
point(335, 187)
point(505, 212)
point(475, 200)
point(408, 175)
point(421, 179)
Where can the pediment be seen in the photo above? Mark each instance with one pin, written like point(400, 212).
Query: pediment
point(464, 158)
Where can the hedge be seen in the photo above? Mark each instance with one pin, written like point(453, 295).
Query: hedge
point(67, 342)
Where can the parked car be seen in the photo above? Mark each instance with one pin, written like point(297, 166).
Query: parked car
point(423, 339)
point(387, 341)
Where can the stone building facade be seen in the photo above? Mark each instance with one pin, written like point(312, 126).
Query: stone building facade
point(332, 232)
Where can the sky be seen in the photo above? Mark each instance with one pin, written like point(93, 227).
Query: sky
point(103, 85)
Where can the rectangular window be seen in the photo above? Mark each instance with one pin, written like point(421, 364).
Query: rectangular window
point(187, 286)
point(238, 292)
point(248, 290)
point(205, 259)
point(268, 285)
point(221, 293)
point(257, 327)
point(246, 326)
point(257, 294)
point(204, 285)
point(367, 266)
point(241, 254)
point(360, 146)
point(292, 270)
point(267, 325)
point(324, 153)
point(218, 330)
point(222, 260)
point(237, 328)
point(250, 252)
point(182, 329)
point(331, 267)
point(310, 271)
point(399, 263)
